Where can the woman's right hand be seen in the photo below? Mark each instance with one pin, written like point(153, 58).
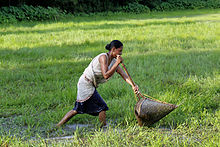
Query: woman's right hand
point(136, 89)
point(119, 59)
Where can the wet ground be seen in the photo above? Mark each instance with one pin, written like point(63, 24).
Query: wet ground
point(10, 126)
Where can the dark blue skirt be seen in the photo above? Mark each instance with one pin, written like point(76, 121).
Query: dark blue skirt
point(92, 106)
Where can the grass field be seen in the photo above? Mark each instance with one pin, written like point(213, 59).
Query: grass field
point(172, 56)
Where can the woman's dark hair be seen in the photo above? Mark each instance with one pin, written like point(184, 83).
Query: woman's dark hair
point(114, 43)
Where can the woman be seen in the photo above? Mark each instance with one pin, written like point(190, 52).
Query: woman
point(99, 71)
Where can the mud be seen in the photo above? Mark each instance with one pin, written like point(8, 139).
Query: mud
point(75, 126)
point(10, 126)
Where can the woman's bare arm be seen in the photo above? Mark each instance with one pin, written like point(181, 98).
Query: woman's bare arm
point(125, 77)
point(104, 66)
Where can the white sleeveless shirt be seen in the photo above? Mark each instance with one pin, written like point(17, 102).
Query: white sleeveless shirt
point(91, 78)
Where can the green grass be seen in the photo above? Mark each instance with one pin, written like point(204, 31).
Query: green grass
point(172, 56)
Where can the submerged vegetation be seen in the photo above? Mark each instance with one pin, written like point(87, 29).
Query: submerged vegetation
point(172, 56)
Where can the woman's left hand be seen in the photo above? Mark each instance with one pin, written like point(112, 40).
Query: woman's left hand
point(136, 89)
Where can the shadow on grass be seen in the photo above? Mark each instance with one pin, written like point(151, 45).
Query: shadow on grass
point(75, 26)
point(106, 26)
point(179, 63)
point(51, 57)
point(88, 49)
point(73, 51)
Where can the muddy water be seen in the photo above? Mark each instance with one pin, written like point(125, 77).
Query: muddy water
point(75, 126)
point(71, 128)
point(11, 126)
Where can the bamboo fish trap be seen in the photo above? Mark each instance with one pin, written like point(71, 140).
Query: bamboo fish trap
point(149, 110)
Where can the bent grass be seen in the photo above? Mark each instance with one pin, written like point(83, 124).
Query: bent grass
point(172, 56)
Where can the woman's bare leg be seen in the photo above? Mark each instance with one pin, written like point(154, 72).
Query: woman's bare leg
point(67, 117)
point(102, 118)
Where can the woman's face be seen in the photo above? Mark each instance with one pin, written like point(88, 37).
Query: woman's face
point(117, 51)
